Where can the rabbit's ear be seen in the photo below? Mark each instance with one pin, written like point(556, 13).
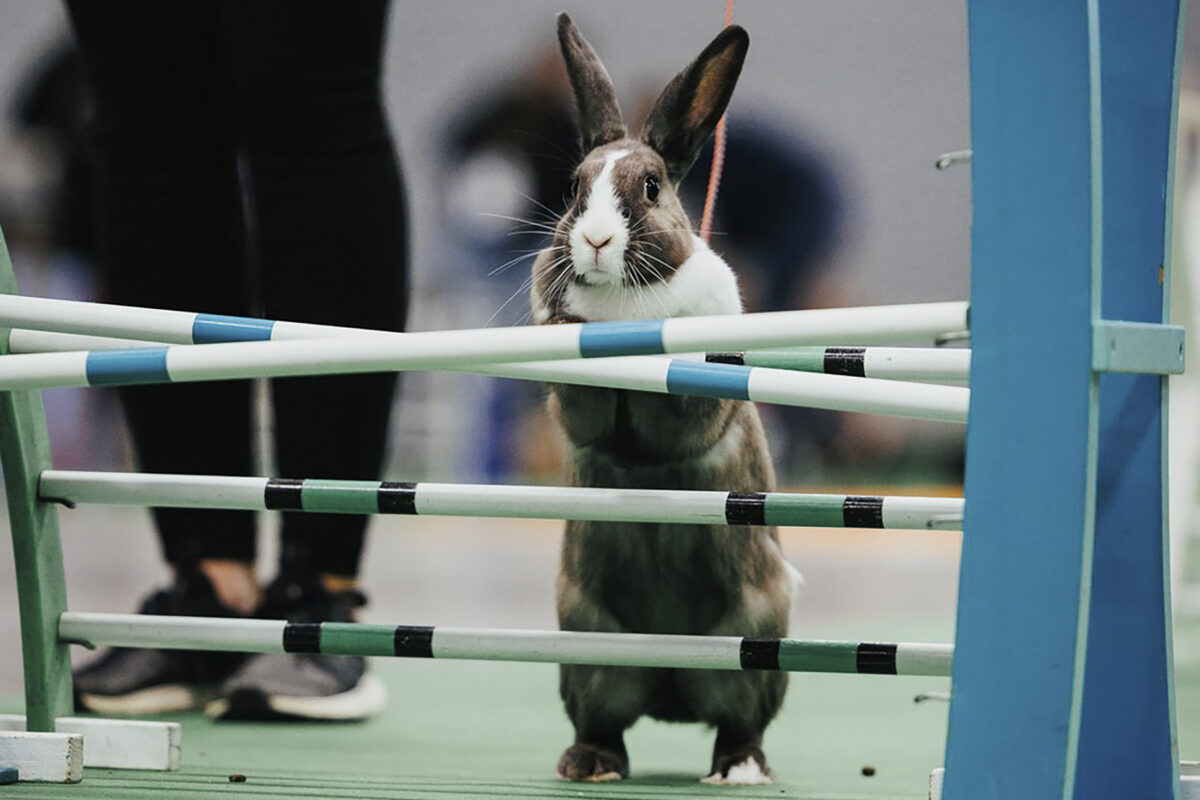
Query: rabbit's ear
point(599, 116)
point(688, 110)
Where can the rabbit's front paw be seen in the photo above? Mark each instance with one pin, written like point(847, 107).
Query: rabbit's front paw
point(564, 319)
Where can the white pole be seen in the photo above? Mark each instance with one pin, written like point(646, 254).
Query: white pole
point(229, 492)
point(580, 647)
point(97, 319)
point(869, 395)
point(917, 363)
point(190, 633)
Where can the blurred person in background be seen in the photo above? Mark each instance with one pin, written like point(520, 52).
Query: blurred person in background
point(46, 202)
point(508, 156)
point(245, 167)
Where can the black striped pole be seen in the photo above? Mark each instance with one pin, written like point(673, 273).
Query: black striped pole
point(895, 363)
point(545, 502)
point(563, 647)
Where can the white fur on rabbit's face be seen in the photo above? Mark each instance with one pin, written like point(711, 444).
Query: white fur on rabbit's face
point(600, 235)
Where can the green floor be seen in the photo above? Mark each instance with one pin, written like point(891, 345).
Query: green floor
point(457, 729)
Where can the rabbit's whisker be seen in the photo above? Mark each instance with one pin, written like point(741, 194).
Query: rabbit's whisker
point(512, 262)
point(656, 259)
point(652, 291)
point(524, 287)
point(551, 214)
point(667, 284)
point(527, 233)
point(522, 220)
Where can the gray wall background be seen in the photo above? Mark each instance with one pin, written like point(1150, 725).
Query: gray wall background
point(879, 87)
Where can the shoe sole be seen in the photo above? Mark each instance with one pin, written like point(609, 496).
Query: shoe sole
point(365, 700)
point(165, 699)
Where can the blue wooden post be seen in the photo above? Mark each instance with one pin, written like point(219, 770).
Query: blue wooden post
point(1062, 682)
point(1127, 743)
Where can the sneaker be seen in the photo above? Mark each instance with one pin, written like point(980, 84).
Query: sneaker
point(138, 681)
point(302, 686)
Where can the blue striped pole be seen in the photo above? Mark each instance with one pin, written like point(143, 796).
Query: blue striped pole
point(853, 326)
point(73, 322)
point(529, 502)
point(366, 354)
point(890, 363)
point(726, 375)
point(249, 357)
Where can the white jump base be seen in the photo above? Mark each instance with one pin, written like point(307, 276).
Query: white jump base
point(43, 757)
point(114, 743)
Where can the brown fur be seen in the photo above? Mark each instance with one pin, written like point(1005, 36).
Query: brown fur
point(649, 578)
point(683, 579)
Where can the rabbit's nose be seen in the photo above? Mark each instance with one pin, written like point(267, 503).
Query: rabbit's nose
point(597, 246)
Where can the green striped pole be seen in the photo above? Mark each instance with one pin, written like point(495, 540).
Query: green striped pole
point(891, 363)
point(484, 500)
point(561, 647)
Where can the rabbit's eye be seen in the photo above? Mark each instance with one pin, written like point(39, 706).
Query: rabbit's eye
point(652, 188)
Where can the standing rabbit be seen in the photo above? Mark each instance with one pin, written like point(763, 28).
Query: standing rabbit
point(624, 249)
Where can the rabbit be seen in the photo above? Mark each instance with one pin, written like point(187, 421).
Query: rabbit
point(624, 249)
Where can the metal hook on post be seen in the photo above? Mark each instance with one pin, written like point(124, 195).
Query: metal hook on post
point(947, 160)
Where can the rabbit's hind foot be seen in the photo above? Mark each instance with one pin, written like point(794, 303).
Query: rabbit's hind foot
point(592, 763)
point(746, 766)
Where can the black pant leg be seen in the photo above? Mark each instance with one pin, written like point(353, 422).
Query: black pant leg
point(171, 232)
point(331, 237)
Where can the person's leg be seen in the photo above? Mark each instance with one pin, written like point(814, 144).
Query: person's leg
point(171, 236)
point(331, 239)
point(329, 236)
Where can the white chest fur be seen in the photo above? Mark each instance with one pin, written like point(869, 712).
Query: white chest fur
point(703, 285)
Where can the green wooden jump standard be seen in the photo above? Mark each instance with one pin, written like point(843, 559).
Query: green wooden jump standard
point(37, 550)
point(1062, 673)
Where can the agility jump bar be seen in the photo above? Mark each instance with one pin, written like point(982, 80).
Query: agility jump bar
point(485, 500)
point(690, 376)
point(854, 326)
point(561, 647)
point(183, 363)
point(891, 363)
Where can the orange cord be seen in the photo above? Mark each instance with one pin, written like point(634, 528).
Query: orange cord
point(718, 160)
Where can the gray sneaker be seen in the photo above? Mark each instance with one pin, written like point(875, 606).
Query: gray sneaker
point(143, 681)
point(302, 686)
